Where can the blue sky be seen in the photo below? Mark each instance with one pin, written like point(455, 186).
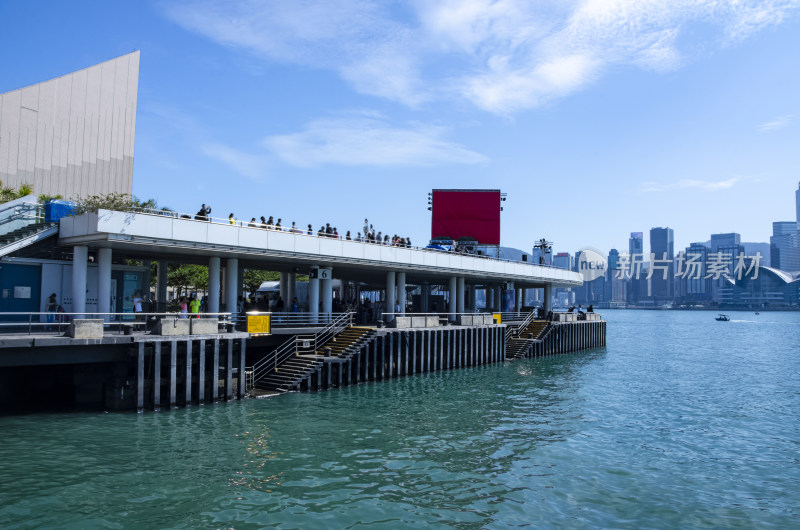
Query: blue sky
point(597, 117)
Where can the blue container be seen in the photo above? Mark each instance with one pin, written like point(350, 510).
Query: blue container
point(55, 210)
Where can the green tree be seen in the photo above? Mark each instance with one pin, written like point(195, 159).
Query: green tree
point(253, 279)
point(119, 202)
point(187, 278)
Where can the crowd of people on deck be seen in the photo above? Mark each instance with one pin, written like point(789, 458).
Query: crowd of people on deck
point(370, 235)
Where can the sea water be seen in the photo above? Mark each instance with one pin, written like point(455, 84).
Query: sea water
point(680, 421)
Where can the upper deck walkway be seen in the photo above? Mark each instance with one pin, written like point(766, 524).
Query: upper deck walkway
point(167, 235)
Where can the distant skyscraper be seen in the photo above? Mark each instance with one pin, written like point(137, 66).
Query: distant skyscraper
point(797, 202)
point(724, 240)
point(662, 246)
point(696, 287)
point(784, 247)
point(636, 244)
point(563, 260)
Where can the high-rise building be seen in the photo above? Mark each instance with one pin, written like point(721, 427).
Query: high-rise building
point(636, 244)
point(724, 240)
point(696, 287)
point(784, 247)
point(662, 249)
point(797, 203)
point(73, 135)
point(563, 260)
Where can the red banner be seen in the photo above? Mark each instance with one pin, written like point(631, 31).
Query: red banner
point(466, 213)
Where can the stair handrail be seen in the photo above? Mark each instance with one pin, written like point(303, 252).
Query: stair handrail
point(24, 208)
point(325, 334)
point(270, 361)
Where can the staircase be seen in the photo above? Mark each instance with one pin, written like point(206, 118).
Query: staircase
point(519, 346)
point(22, 237)
point(304, 356)
point(347, 342)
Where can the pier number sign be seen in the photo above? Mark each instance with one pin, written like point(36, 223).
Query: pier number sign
point(258, 324)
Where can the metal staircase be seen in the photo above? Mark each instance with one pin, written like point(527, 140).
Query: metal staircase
point(519, 344)
point(303, 356)
point(21, 224)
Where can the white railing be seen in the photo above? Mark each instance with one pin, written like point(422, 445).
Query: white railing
point(291, 320)
point(308, 344)
point(46, 323)
point(257, 225)
point(19, 214)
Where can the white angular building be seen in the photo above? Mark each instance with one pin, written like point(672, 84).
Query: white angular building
point(73, 135)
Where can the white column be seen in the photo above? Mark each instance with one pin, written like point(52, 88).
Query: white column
point(80, 254)
point(460, 295)
point(231, 284)
point(326, 286)
point(518, 300)
point(548, 295)
point(161, 284)
point(390, 292)
point(489, 296)
point(284, 282)
point(213, 284)
point(313, 293)
point(401, 291)
point(451, 307)
point(291, 289)
point(104, 282)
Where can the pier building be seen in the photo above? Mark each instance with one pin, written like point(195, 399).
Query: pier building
point(104, 350)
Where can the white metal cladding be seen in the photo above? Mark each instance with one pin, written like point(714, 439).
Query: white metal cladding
point(73, 135)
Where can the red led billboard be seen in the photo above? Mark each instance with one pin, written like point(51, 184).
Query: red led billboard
point(466, 213)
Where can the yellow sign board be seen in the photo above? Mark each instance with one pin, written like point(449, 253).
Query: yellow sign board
point(498, 319)
point(258, 324)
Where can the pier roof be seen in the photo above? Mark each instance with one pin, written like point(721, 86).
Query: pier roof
point(167, 237)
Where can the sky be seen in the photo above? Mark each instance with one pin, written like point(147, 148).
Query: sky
point(597, 117)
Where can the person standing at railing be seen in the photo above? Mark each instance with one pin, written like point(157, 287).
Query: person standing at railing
point(231, 219)
point(184, 307)
point(294, 307)
point(51, 306)
point(203, 213)
point(194, 306)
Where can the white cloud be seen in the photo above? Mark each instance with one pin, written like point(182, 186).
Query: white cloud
point(779, 122)
point(702, 185)
point(501, 55)
point(367, 140)
point(249, 165)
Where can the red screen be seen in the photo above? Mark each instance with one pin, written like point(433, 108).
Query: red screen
point(466, 213)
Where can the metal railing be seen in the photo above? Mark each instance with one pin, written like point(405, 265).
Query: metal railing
point(310, 343)
point(290, 320)
point(314, 233)
point(19, 214)
point(50, 322)
point(270, 362)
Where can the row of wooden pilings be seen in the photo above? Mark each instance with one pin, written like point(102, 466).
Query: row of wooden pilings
point(195, 370)
point(398, 353)
point(566, 337)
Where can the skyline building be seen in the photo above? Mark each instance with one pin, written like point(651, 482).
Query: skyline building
point(73, 135)
point(797, 203)
point(784, 247)
point(636, 244)
point(662, 250)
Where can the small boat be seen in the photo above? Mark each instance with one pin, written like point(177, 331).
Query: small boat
point(757, 313)
point(723, 318)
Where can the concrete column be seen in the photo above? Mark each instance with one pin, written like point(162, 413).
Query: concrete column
point(291, 289)
point(460, 295)
point(231, 284)
point(326, 288)
point(313, 293)
point(518, 300)
point(80, 254)
point(401, 291)
point(284, 282)
point(548, 295)
point(213, 284)
point(161, 284)
point(451, 306)
point(472, 303)
point(524, 297)
point(489, 296)
point(104, 282)
point(425, 297)
point(390, 294)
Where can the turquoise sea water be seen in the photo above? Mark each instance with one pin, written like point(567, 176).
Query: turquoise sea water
point(681, 421)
